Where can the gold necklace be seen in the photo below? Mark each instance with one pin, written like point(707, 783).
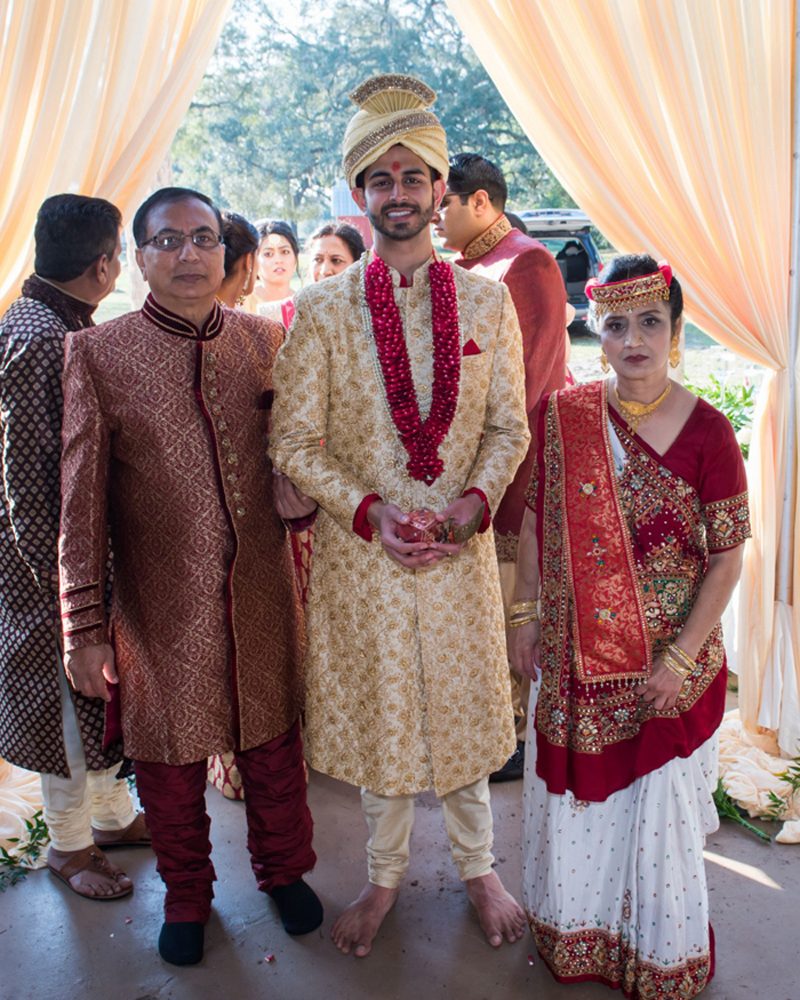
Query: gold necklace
point(635, 412)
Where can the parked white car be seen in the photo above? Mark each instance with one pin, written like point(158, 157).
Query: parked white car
point(566, 232)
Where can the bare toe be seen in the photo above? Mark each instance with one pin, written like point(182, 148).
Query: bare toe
point(498, 912)
point(89, 873)
point(357, 926)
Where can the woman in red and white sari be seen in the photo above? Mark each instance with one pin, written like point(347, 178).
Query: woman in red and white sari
point(637, 515)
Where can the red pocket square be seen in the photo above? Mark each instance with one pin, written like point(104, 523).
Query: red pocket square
point(471, 348)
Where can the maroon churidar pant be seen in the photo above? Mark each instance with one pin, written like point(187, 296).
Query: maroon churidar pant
point(279, 825)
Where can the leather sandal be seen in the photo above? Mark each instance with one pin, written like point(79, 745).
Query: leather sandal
point(90, 859)
point(136, 834)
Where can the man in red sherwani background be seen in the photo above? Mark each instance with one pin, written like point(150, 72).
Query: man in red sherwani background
point(166, 416)
point(471, 220)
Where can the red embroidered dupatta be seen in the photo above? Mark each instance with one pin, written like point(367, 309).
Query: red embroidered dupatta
point(622, 560)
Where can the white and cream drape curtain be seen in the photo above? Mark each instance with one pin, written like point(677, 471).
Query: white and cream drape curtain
point(93, 92)
point(670, 124)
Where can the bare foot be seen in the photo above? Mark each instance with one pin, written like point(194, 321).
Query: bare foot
point(359, 923)
point(134, 834)
point(89, 873)
point(498, 911)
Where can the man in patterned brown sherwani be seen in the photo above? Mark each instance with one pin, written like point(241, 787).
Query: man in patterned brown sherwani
point(43, 727)
point(166, 416)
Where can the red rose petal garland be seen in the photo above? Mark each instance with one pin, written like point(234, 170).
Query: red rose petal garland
point(420, 439)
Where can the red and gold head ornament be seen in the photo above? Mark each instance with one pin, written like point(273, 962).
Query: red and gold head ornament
point(630, 293)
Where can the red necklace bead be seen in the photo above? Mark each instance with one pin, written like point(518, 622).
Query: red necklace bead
point(420, 439)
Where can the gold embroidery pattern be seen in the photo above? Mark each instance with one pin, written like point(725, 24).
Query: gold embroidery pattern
point(727, 522)
point(623, 296)
point(533, 484)
point(669, 571)
point(597, 952)
point(506, 547)
point(488, 241)
point(407, 681)
point(394, 129)
point(393, 81)
point(610, 642)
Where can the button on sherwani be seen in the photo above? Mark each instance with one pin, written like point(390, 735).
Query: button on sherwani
point(406, 669)
point(165, 434)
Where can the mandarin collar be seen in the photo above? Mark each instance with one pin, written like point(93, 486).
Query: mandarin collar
point(75, 313)
point(421, 272)
point(170, 322)
point(488, 239)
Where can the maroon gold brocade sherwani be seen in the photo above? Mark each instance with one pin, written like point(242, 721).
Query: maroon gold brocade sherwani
point(537, 290)
point(168, 425)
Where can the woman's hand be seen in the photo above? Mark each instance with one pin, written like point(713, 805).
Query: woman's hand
point(524, 650)
point(662, 687)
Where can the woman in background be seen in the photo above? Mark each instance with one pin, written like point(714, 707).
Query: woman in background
point(241, 244)
point(276, 263)
point(333, 248)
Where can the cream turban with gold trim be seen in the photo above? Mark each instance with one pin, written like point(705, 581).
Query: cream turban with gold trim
point(392, 110)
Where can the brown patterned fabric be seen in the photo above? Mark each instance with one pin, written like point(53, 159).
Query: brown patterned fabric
point(407, 674)
point(534, 280)
point(32, 334)
point(171, 423)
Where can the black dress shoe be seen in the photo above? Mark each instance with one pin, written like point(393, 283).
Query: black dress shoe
point(181, 943)
point(299, 907)
point(513, 768)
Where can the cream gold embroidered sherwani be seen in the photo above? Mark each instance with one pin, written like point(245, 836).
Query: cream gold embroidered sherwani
point(406, 669)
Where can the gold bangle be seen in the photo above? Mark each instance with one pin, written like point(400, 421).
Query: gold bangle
point(522, 620)
point(674, 665)
point(531, 613)
point(683, 656)
point(519, 607)
point(680, 674)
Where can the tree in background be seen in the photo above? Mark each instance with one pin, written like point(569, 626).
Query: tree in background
point(264, 133)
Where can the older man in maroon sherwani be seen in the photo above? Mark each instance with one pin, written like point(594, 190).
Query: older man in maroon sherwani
point(166, 416)
point(471, 221)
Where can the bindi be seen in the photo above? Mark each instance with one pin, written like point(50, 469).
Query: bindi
point(396, 165)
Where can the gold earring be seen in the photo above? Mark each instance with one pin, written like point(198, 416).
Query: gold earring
point(675, 355)
point(604, 360)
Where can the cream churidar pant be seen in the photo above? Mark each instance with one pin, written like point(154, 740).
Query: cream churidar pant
point(72, 806)
point(467, 818)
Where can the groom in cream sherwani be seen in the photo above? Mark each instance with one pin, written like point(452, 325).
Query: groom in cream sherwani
point(407, 675)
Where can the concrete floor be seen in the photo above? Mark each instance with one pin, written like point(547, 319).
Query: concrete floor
point(56, 946)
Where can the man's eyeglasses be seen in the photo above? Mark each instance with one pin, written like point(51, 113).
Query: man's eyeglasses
point(174, 241)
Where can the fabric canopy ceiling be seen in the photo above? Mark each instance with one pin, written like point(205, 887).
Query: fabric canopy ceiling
point(93, 94)
point(670, 124)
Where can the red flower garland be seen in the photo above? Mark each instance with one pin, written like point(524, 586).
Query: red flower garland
point(421, 440)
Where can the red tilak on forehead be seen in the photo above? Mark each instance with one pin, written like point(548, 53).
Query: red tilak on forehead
point(396, 165)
